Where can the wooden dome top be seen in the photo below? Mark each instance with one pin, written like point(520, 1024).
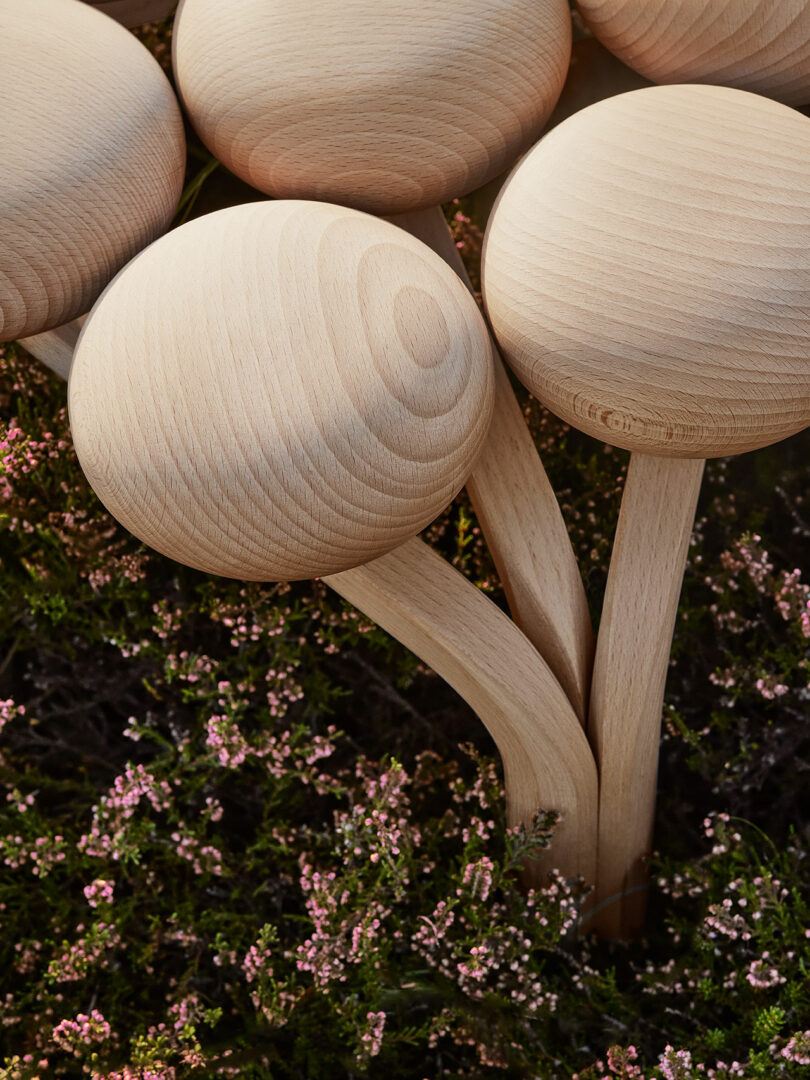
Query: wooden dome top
point(281, 390)
point(759, 45)
point(373, 104)
point(647, 270)
point(93, 159)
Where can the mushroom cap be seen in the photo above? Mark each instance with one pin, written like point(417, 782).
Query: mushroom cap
point(93, 159)
point(370, 103)
point(281, 390)
point(134, 12)
point(759, 45)
point(647, 271)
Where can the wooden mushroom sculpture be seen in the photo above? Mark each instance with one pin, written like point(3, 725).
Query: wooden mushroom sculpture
point(92, 165)
point(759, 45)
point(647, 274)
point(291, 389)
point(393, 110)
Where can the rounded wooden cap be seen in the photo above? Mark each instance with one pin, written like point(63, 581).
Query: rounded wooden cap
point(134, 12)
point(647, 270)
point(92, 163)
point(281, 390)
point(759, 45)
point(384, 106)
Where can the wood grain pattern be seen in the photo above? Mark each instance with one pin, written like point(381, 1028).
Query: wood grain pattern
point(292, 96)
point(647, 270)
point(134, 12)
point(92, 164)
point(55, 348)
point(630, 670)
point(759, 45)
point(521, 519)
point(445, 620)
point(281, 390)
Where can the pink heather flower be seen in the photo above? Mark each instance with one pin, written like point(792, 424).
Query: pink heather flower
point(770, 688)
point(226, 740)
point(155, 1071)
point(478, 876)
point(186, 1011)
point(761, 975)
point(203, 858)
point(372, 1039)
point(80, 1034)
point(675, 1064)
point(722, 920)
point(99, 891)
point(8, 710)
point(798, 1048)
point(108, 835)
point(88, 954)
point(256, 962)
point(620, 1061)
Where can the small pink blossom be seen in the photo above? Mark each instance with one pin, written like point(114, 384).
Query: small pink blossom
point(99, 891)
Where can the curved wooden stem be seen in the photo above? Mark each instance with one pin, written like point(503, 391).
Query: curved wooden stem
point(521, 518)
point(437, 613)
point(630, 670)
point(54, 348)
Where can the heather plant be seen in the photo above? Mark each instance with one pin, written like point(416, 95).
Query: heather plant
point(239, 836)
point(245, 833)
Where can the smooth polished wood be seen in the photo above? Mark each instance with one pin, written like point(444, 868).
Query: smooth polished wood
point(92, 162)
point(292, 96)
point(134, 12)
point(464, 637)
point(630, 671)
point(647, 266)
point(281, 390)
point(55, 348)
point(521, 519)
point(646, 270)
point(759, 45)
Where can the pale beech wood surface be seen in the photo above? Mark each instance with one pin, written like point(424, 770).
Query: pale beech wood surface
point(759, 45)
point(630, 671)
point(521, 518)
point(134, 12)
point(426, 604)
point(54, 348)
point(647, 271)
point(92, 162)
point(281, 390)
point(290, 96)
